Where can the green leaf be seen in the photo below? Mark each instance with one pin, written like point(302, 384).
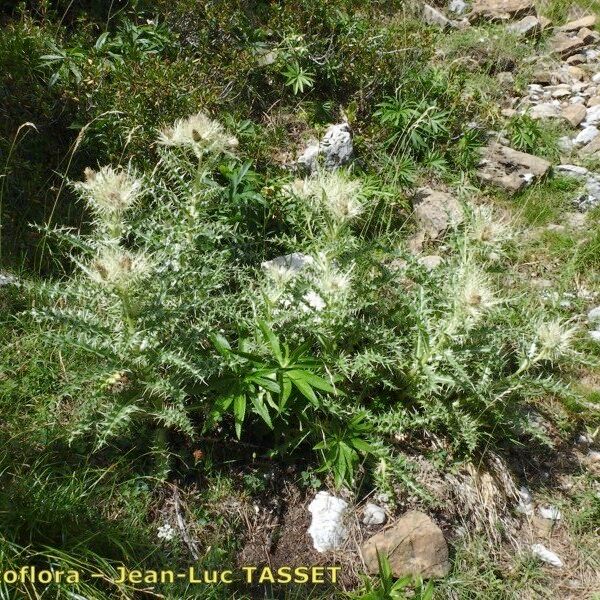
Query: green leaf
point(272, 341)
point(221, 344)
point(262, 410)
point(297, 378)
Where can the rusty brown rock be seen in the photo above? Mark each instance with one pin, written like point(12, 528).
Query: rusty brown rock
point(414, 545)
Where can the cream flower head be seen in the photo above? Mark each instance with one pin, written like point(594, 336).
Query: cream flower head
point(117, 267)
point(110, 191)
point(199, 132)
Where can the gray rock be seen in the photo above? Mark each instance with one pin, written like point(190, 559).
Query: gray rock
point(592, 116)
point(432, 16)
point(458, 7)
point(528, 26)
point(510, 169)
point(414, 545)
point(565, 45)
point(545, 110)
point(585, 136)
point(336, 149)
point(502, 10)
point(373, 515)
point(436, 211)
point(571, 171)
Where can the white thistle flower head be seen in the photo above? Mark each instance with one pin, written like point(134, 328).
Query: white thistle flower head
point(334, 192)
point(555, 339)
point(314, 301)
point(487, 227)
point(340, 196)
point(198, 132)
point(474, 290)
point(330, 280)
point(110, 191)
point(117, 267)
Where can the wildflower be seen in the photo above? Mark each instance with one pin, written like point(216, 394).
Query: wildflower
point(474, 292)
point(486, 228)
point(110, 191)
point(117, 267)
point(554, 339)
point(314, 301)
point(334, 192)
point(198, 132)
point(331, 281)
point(340, 196)
point(166, 532)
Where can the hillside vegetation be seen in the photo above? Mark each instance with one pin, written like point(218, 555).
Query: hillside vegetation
point(258, 255)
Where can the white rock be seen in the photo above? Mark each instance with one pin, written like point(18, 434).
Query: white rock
point(594, 455)
point(594, 315)
point(596, 78)
point(335, 147)
point(546, 110)
point(595, 335)
point(292, 263)
point(525, 505)
point(571, 171)
point(458, 7)
point(373, 514)
point(327, 527)
point(7, 279)
point(592, 116)
point(585, 136)
point(551, 513)
point(545, 555)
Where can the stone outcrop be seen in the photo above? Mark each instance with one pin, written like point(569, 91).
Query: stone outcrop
point(435, 211)
point(502, 10)
point(334, 150)
point(510, 169)
point(414, 545)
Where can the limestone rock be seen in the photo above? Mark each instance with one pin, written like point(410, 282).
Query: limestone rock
point(585, 136)
point(587, 35)
point(592, 116)
point(588, 21)
point(415, 545)
point(576, 59)
point(574, 114)
point(565, 45)
point(510, 169)
point(544, 110)
point(327, 526)
point(528, 26)
point(432, 16)
point(373, 514)
point(435, 211)
point(592, 147)
point(502, 10)
point(336, 149)
point(458, 7)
